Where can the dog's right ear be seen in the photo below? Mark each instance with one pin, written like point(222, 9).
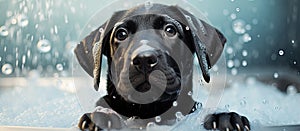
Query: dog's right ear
point(84, 51)
point(90, 50)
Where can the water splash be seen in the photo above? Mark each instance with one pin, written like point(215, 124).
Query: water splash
point(239, 26)
point(7, 69)
point(3, 31)
point(44, 46)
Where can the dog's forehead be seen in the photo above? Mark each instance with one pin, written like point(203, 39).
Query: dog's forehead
point(146, 20)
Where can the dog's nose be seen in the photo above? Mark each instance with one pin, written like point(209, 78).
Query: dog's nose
point(145, 61)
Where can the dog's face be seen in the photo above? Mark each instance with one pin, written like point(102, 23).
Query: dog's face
point(142, 49)
point(150, 52)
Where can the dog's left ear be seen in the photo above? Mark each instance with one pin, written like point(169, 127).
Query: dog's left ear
point(207, 41)
point(90, 50)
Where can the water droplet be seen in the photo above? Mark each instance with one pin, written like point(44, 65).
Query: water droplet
point(234, 71)
point(248, 27)
point(293, 41)
point(291, 90)
point(7, 69)
point(101, 30)
point(275, 75)
point(229, 50)
point(179, 116)
point(187, 28)
point(233, 16)
point(55, 29)
point(244, 53)
point(66, 19)
point(190, 93)
point(175, 103)
point(294, 62)
point(237, 9)
point(239, 26)
point(44, 46)
point(22, 20)
point(281, 52)
point(3, 31)
point(148, 5)
point(230, 63)
point(150, 124)
point(23, 59)
point(59, 67)
point(244, 63)
point(246, 37)
point(14, 21)
point(158, 119)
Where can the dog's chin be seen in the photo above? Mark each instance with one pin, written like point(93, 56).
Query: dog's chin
point(166, 84)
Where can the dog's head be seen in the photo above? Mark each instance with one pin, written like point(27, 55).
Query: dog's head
point(150, 49)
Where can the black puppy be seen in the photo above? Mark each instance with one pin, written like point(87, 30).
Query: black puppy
point(149, 53)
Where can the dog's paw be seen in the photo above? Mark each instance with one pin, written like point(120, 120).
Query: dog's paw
point(99, 120)
point(226, 122)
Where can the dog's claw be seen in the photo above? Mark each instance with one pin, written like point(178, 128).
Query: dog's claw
point(247, 128)
point(96, 128)
point(83, 125)
point(214, 125)
point(238, 127)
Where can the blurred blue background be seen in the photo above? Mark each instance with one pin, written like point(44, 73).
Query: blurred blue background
point(37, 38)
point(40, 34)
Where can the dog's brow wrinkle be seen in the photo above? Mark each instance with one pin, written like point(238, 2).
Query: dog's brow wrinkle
point(144, 41)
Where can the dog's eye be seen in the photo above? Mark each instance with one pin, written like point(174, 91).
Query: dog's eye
point(170, 30)
point(121, 34)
